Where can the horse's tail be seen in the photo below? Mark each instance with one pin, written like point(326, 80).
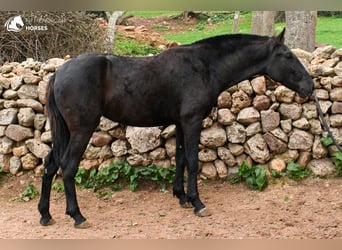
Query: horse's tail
point(59, 129)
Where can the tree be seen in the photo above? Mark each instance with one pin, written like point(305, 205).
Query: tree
point(236, 22)
point(112, 18)
point(263, 23)
point(301, 29)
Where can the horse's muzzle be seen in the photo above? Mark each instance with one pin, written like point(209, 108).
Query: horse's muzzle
point(306, 88)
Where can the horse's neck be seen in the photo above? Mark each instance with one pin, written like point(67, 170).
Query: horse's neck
point(240, 65)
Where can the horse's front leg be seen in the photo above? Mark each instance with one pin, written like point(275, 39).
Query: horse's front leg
point(191, 141)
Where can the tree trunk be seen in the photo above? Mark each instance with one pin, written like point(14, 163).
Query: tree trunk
point(301, 29)
point(236, 22)
point(112, 18)
point(263, 23)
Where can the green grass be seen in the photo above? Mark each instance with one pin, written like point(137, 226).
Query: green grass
point(329, 31)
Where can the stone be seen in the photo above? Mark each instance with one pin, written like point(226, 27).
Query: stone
point(224, 100)
point(318, 150)
point(207, 122)
point(286, 125)
point(105, 153)
point(304, 158)
point(337, 134)
point(89, 164)
point(337, 81)
point(336, 120)
point(277, 165)
point(337, 53)
point(284, 94)
point(315, 127)
point(28, 92)
point(10, 94)
point(4, 69)
point(30, 103)
point(225, 116)
point(4, 82)
point(2, 130)
point(18, 133)
point(243, 158)
point(261, 102)
point(336, 94)
point(280, 134)
point(257, 149)
point(246, 87)
point(214, 136)
point(236, 133)
point(158, 154)
point(240, 100)
point(322, 94)
point(290, 110)
point(42, 89)
point(14, 165)
point(39, 121)
point(288, 156)
point(309, 110)
point(269, 120)
point(226, 156)
point(46, 137)
point(164, 163)
point(20, 150)
point(106, 124)
point(324, 52)
point(118, 133)
point(8, 116)
point(143, 139)
point(300, 140)
point(16, 82)
point(56, 62)
point(253, 129)
point(259, 85)
point(325, 106)
point(322, 167)
point(221, 169)
point(169, 131)
point(275, 145)
point(39, 149)
point(5, 162)
point(304, 56)
point(320, 70)
point(248, 115)
point(100, 139)
point(91, 152)
point(26, 117)
point(29, 161)
point(31, 79)
point(235, 149)
point(208, 171)
point(170, 146)
point(336, 108)
point(136, 160)
point(207, 155)
point(338, 69)
point(6, 145)
point(301, 123)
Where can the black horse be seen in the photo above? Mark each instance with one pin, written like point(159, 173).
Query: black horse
point(178, 86)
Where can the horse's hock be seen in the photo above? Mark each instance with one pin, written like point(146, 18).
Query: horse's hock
point(257, 121)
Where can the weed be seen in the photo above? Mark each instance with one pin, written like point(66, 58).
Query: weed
point(326, 141)
point(30, 193)
point(338, 163)
point(297, 172)
point(255, 176)
point(58, 186)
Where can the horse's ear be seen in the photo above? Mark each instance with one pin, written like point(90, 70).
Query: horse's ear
point(281, 36)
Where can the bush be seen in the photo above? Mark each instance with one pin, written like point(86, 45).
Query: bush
point(68, 33)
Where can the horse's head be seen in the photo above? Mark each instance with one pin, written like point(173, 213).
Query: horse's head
point(285, 67)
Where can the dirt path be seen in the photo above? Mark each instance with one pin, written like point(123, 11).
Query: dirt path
point(300, 210)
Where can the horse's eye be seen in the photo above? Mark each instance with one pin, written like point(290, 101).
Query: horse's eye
point(288, 55)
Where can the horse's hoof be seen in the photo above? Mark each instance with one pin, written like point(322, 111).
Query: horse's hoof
point(186, 205)
point(48, 222)
point(204, 212)
point(83, 225)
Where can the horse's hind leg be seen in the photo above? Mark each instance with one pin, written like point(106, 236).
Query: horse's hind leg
point(69, 164)
point(50, 169)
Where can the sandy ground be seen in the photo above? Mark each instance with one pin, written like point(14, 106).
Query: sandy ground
point(310, 209)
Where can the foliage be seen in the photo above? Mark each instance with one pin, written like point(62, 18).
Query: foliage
point(126, 47)
point(111, 175)
point(58, 186)
point(326, 141)
point(68, 33)
point(338, 163)
point(255, 176)
point(297, 172)
point(30, 193)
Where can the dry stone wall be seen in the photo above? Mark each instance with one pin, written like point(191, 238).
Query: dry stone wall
point(258, 121)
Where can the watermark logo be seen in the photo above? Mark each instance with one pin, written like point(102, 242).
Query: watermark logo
point(14, 24)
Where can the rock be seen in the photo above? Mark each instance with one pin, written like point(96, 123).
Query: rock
point(318, 150)
point(324, 52)
point(207, 155)
point(14, 165)
point(5, 162)
point(288, 156)
point(31, 79)
point(235, 149)
point(158, 154)
point(143, 139)
point(29, 161)
point(315, 127)
point(221, 169)
point(100, 139)
point(105, 153)
point(309, 110)
point(246, 87)
point(138, 160)
point(26, 117)
point(207, 122)
point(169, 131)
point(10, 94)
point(30, 103)
point(16, 82)
point(320, 70)
point(284, 94)
point(225, 117)
point(253, 129)
point(240, 100)
point(165, 163)
point(337, 53)
point(336, 120)
point(291, 110)
point(286, 125)
point(236, 133)
point(336, 94)
point(46, 137)
point(20, 150)
point(261, 102)
point(337, 134)
point(336, 108)
point(6, 145)
point(118, 133)
point(322, 167)
point(322, 94)
point(275, 145)
point(301, 123)
point(18, 133)
point(39, 149)
point(269, 120)
point(304, 56)
point(257, 149)
point(225, 155)
point(224, 100)
point(280, 134)
point(304, 158)
point(208, 171)
point(248, 115)
point(301, 140)
point(4, 82)
point(8, 116)
point(338, 69)
point(42, 89)
point(39, 121)
point(325, 105)
point(214, 136)
point(119, 148)
point(4, 69)
point(28, 92)
point(170, 146)
point(106, 124)
point(278, 165)
point(89, 164)
point(259, 85)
